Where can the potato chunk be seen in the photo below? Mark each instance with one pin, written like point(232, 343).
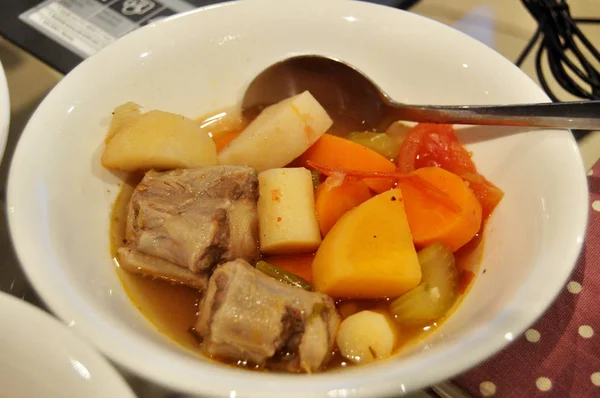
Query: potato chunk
point(121, 116)
point(155, 140)
point(369, 253)
point(366, 336)
point(286, 211)
point(280, 134)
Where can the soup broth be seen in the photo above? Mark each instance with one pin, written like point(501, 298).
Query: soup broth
point(173, 309)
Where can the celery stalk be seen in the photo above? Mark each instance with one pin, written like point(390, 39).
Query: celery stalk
point(283, 276)
point(437, 291)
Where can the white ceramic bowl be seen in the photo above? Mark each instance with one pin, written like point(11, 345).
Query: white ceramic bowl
point(59, 196)
point(42, 358)
point(4, 111)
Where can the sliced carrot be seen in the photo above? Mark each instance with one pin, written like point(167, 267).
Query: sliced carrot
point(429, 222)
point(300, 265)
point(224, 139)
point(333, 199)
point(428, 145)
point(333, 151)
point(418, 183)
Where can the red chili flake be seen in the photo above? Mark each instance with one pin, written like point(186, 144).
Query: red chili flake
point(276, 195)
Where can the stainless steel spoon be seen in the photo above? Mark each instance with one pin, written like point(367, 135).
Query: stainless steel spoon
point(356, 102)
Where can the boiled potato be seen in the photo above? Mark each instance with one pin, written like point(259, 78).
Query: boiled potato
point(155, 140)
point(369, 253)
point(366, 336)
point(280, 134)
point(286, 211)
point(121, 116)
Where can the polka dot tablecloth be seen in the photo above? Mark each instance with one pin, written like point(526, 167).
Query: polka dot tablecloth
point(559, 356)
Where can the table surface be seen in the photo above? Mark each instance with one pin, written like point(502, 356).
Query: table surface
point(503, 25)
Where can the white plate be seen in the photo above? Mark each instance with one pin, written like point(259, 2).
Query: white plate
point(4, 111)
point(60, 198)
point(40, 357)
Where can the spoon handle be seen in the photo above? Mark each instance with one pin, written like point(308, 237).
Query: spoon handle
point(584, 115)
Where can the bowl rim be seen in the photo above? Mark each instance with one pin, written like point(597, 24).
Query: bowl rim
point(381, 378)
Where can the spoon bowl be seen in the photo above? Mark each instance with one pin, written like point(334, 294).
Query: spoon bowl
point(346, 93)
point(352, 98)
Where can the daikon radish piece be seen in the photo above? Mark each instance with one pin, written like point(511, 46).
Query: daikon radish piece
point(280, 134)
point(286, 211)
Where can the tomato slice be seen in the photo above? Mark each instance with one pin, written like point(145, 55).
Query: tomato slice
point(437, 145)
point(434, 145)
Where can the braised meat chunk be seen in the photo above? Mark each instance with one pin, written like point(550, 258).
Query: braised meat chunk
point(194, 218)
point(246, 315)
point(142, 264)
point(183, 216)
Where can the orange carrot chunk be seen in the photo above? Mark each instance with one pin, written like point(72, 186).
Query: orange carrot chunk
point(429, 221)
point(299, 265)
point(418, 183)
point(334, 198)
point(333, 151)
